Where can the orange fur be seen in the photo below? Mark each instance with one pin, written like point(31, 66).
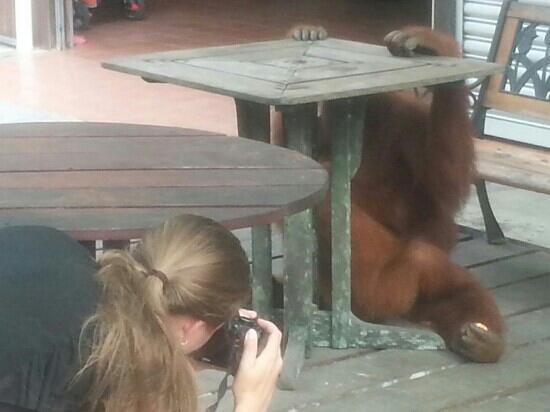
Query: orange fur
point(415, 174)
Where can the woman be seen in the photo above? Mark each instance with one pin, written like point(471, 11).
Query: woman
point(121, 341)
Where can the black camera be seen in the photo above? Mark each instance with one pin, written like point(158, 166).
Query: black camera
point(236, 330)
point(225, 348)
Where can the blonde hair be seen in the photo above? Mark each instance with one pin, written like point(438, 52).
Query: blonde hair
point(133, 363)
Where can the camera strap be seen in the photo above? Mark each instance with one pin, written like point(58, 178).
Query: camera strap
point(222, 389)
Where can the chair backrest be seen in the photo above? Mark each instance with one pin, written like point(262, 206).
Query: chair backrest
point(522, 44)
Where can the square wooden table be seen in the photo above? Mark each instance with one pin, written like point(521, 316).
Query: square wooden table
point(294, 76)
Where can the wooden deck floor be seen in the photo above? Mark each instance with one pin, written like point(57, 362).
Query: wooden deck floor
point(518, 275)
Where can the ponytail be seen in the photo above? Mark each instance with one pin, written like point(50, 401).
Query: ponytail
point(189, 266)
point(133, 364)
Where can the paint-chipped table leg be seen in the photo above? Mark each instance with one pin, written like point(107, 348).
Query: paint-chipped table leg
point(253, 123)
point(346, 122)
point(299, 250)
point(362, 334)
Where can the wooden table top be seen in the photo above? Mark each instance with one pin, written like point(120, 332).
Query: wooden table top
point(286, 72)
point(112, 181)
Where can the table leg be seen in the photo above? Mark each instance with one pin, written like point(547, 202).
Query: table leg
point(253, 123)
point(300, 251)
point(346, 122)
point(90, 246)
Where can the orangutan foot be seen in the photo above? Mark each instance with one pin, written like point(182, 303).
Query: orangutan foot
point(478, 343)
point(403, 44)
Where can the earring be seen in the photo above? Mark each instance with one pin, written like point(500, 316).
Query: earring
point(184, 342)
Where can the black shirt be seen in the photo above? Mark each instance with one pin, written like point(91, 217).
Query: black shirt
point(46, 292)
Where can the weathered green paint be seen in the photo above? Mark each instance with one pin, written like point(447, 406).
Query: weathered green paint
point(346, 122)
point(253, 123)
point(361, 334)
point(262, 286)
point(299, 249)
point(295, 353)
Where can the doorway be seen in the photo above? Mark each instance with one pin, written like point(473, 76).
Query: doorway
point(7, 23)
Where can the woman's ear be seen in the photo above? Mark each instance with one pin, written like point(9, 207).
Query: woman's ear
point(190, 333)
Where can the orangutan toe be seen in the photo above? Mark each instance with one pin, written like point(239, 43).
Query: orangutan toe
point(403, 44)
point(478, 343)
point(309, 33)
point(400, 44)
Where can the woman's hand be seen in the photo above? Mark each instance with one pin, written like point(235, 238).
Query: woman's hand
point(256, 377)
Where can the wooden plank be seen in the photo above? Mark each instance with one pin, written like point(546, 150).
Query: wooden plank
point(513, 165)
point(514, 269)
point(295, 64)
point(384, 81)
point(352, 46)
point(331, 384)
point(449, 387)
point(506, 152)
point(210, 80)
point(513, 177)
point(331, 379)
point(489, 95)
point(523, 296)
point(530, 12)
point(290, 52)
point(533, 396)
point(129, 223)
point(346, 52)
point(349, 69)
point(343, 54)
point(518, 104)
point(130, 145)
point(214, 152)
point(477, 251)
point(249, 70)
point(93, 129)
point(236, 196)
point(216, 51)
point(168, 178)
point(528, 327)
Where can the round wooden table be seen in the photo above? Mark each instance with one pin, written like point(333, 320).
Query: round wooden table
point(113, 181)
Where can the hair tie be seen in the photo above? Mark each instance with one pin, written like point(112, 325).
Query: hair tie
point(160, 275)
